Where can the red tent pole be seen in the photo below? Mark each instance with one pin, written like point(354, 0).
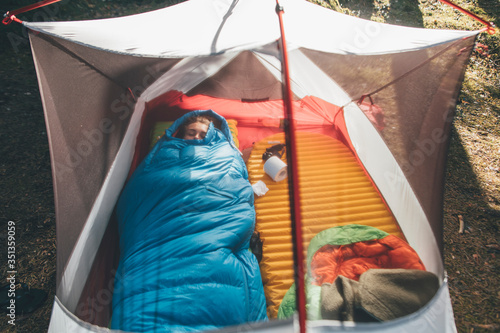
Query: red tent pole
point(293, 181)
point(11, 15)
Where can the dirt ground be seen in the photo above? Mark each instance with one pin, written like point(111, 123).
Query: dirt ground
point(472, 189)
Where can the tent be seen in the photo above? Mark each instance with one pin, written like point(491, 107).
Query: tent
point(386, 92)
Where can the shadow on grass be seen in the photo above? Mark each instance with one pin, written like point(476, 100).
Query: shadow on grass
point(463, 193)
point(399, 12)
point(462, 182)
point(469, 253)
point(405, 13)
point(492, 8)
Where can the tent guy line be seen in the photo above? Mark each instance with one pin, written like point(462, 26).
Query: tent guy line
point(361, 98)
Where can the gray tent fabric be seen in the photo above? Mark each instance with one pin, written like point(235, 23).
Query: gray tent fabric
point(90, 108)
point(379, 295)
point(417, 117)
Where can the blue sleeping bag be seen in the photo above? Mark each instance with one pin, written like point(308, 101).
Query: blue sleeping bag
point(185, 220)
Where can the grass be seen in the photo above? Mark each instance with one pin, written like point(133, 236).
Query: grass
point(472, 190)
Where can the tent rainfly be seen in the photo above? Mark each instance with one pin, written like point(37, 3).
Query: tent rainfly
point(386, 93)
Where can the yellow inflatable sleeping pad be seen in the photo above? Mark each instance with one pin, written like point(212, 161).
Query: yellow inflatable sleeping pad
point(334, 191)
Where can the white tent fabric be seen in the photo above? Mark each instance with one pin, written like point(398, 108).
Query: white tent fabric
point(211, 27)
point(437, 316)
point(208, 36)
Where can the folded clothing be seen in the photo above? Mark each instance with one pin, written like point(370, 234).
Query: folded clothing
point(379, 295)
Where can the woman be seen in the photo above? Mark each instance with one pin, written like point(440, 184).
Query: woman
point(185, 220)
point(194, 128)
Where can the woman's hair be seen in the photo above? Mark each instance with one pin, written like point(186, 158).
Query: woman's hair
point(191, 120)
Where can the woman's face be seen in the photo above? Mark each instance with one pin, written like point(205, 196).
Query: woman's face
point(196, 131)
